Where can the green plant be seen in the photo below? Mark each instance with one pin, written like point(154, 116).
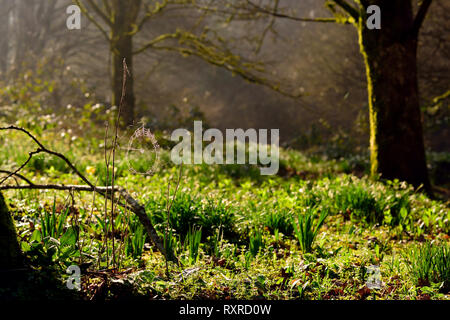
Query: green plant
point(255, 242)
point(429, 263)
point(277, 236)
point(53, 224)
point(399, 208)
point(135, 241)
point(170, 245)
point(213, 215)
point(192, 242)
point(280, 221)
point(187, 211)
point(54, 240)
point(215, 244)
point(442, 265)
point(394, 265)
point(308, 228)
point(183, 213)
point(360, 203)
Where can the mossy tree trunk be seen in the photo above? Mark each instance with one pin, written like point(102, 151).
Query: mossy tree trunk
point(396, 134)
point(10, 254)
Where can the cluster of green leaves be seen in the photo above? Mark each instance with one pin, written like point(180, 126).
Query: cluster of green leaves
point(279, 222)
point(135, 241)
point(188, 211)
point(308, 227)
point(429, 263)
point(56, 240)
point(192, 243)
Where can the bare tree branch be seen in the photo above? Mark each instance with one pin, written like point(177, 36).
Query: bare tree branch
point(18, 175)
point(277, 14)
point(130, 202)
point(200, 46)
point(61, 187)
point(92, 19)
point(30, 156)
point(99, 11)
point(42, 148)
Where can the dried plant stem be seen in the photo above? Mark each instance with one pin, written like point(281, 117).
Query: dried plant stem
point(114, 147)
point(105, 211)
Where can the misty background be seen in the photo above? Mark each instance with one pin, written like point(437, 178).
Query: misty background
point(321, 61)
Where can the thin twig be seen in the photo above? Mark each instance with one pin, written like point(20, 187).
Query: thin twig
point(18, 175)
point(30, 156)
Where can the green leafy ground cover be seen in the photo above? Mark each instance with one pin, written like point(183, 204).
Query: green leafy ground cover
point(311, 232)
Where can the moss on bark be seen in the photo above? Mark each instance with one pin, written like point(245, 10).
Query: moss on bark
point(10, 254)
point(396, 134)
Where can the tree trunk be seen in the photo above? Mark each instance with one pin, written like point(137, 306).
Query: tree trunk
point(22, 17)
point(4, 40)
point(10, 254)
point(122, 48)
point(123, 26)
point(396, 135)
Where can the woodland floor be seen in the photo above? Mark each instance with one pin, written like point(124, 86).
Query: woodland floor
point(233, 231)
